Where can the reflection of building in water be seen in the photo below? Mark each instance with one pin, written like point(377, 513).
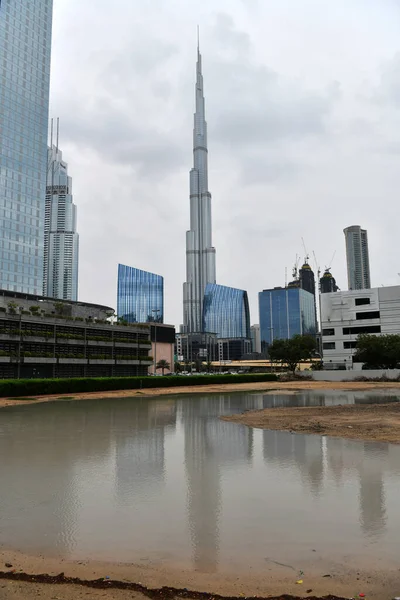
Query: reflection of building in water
point(211, 445)
point(372, 493)
point(369, 460)
point(44, 455)
point(139, 447)
point(303, 451)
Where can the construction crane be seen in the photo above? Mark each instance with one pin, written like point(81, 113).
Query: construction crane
point(306, 255)
point(296, 268)
point(328, 268)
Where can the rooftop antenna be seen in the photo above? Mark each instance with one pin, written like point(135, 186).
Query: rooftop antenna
point(286, 277)
point(198, 38)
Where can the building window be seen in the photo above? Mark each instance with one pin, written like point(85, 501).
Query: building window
point(373, 314)
point(329, 346)
point(361, 301)
point(358, 330)
point(328, 331)
point(349, 345)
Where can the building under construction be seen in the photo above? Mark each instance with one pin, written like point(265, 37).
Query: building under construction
point(327, 283)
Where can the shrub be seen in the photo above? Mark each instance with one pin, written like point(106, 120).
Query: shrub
point(31, 387)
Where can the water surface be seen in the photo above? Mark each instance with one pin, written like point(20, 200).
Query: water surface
point(165, 480)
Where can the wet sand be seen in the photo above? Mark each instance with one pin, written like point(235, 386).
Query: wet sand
point(377, 580)
point(276, 386)
point(371, 422)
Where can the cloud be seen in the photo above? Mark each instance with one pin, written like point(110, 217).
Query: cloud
point(295, 148)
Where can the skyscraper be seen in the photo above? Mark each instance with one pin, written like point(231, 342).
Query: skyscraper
point(61, 241)
point(25, 49)
point(200, 254)
point(140, 295)
point(226, 312)
point(285, 312)
point(358, 274)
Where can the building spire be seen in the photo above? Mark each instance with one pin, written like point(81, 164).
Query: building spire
point(200, 253)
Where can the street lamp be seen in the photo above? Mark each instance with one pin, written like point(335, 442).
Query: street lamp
point(156, 311)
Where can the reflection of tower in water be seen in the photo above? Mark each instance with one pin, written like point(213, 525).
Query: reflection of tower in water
point(210, 446)
point(139, 442)
point(372, 493)
point(303, 451)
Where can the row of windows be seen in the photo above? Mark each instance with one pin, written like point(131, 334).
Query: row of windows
point(332, 345)
point(353, 330)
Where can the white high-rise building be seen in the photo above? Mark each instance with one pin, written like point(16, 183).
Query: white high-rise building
point(61, 241)
point(358, 274)
point(200, 253)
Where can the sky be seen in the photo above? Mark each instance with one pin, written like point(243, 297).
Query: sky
point(303, 112)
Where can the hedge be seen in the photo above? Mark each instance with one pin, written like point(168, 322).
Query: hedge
point(35, 387)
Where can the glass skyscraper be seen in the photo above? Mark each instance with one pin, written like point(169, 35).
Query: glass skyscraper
point(358, 274)
point(140, 296)
point(25, 49)
point(226, 312)
point(285, 312)
point(61, 241)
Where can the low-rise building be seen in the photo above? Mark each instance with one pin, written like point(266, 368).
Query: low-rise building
point(347, 314)
point(41, 338)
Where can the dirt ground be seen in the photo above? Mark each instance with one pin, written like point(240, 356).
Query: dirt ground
point(378, 580)
point(210, 389)
point(372, 422)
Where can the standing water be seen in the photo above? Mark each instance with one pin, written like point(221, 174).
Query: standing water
point(165, 480)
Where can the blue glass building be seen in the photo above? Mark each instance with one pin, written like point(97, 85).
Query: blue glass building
point(25, 48)
point(226, 312)
point(285, 312)
point(140, 296)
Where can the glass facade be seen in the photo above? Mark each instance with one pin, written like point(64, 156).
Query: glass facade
point(140, 296)
point(226, 312)
point(61, 240)
point(285, 312)
point(25, 49)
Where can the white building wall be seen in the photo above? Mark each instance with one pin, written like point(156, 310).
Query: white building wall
point(344, 316)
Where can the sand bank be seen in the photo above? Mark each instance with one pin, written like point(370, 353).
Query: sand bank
point(372, 422)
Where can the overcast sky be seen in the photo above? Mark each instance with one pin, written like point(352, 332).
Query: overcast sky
point(303, 111)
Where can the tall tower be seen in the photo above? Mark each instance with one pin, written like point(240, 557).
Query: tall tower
point(61, 241)
point(200, 254)
point(358, 274)
point(25, 49)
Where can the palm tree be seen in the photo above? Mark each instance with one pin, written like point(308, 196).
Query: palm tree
point(163, 364)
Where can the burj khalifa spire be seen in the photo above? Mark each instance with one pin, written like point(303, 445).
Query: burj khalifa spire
point(200, 254)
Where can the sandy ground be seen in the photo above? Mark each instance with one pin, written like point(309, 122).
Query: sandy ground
point(210, 389)
point(373, 422)
point(378, 580)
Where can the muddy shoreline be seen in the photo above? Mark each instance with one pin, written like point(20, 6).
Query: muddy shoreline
point(378, 422)
point(23, 576)
point(279, 387)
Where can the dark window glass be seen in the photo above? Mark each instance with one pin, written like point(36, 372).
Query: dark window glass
point(349, 345)
point(329, 345)
point(364, 329)
point(328, 331)
point(361, 301)
point(373, 314)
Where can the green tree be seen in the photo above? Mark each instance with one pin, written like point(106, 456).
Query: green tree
point(209, 366)
point(177, 367)
point(378, 352)
point(293, 351)
point(163, 364)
